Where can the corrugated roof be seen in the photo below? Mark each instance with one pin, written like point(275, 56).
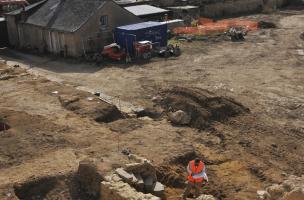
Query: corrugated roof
point(126, 2)
point(27, 8)
point(183, 7)
point(140, 25)
point(65, 15)
point(142, 10)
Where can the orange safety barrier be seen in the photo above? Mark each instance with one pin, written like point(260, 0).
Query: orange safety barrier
point(203, 21)
point(207, 26)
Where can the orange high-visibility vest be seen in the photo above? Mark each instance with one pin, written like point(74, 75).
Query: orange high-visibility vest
point(195, 170)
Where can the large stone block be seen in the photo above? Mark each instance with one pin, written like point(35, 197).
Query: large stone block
point(159, 190)
point(127, 177)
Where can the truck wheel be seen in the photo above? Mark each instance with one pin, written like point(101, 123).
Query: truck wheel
point(167, 54)
point(177, 52)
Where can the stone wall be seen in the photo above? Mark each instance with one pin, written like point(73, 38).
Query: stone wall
point(113, 188)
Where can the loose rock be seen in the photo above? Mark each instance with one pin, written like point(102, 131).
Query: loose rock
point(179, 117)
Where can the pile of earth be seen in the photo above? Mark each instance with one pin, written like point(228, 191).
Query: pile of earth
point(197, 108)
point(88, 105)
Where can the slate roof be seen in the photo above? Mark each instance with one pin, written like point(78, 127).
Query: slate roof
point(27, 8)
point(65, 15)
point(12, 2)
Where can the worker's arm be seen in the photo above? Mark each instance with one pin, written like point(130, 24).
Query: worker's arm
point(189, 170)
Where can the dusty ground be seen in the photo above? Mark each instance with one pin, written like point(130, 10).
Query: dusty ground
point(242, 154)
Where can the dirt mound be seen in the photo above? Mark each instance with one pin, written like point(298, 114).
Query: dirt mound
point(90, 106)
point(202, 106)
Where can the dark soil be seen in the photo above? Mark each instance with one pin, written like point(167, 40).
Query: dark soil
point(87, 105)
point(51, 188)
point(203, 106)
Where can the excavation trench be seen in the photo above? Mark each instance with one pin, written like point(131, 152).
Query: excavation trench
point(173, 175)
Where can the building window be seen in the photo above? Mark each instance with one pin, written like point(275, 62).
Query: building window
point(104, 20)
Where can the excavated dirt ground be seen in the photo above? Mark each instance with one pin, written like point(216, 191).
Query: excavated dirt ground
point(46, 133)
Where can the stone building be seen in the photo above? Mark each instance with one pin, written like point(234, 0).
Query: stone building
point(69, 27)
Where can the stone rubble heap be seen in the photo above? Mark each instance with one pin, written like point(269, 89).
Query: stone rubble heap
point(114, 188)
point(135, 181)
point(142, 176)
point(290, 189)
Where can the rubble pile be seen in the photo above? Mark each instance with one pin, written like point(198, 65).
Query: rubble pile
point(290, 189)
point(135, 181)
point(114, 188)
point(142, 176)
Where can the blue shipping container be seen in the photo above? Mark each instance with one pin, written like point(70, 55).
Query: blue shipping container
point(125, 36)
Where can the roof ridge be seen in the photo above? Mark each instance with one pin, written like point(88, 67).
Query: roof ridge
point(55, 14)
